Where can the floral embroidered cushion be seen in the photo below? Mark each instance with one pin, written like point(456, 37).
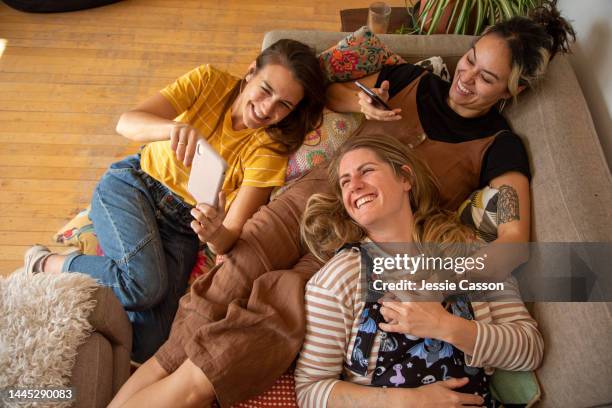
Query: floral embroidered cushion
point(357, 55)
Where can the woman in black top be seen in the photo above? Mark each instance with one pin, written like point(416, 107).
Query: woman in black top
point(509, 57)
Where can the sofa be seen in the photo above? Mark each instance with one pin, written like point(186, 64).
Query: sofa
point(571, 192)
point(571, 195)
point(103, 360)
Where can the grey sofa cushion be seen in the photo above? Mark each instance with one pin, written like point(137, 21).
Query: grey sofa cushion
point(571, 187)
point(577, 365)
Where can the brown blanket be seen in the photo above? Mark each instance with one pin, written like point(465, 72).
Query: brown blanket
point(243, 323)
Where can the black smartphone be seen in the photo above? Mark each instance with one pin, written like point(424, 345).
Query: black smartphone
point(375, 98)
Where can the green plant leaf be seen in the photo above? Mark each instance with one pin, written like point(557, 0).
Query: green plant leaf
point(431, 4)
point(493, 13)
point(505, 8)
point(452, 17)
point(479, 16)
point(465, 13)
point(462, 20)
point(436, 17)
point(413, 24)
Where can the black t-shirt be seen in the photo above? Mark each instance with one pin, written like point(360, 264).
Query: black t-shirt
point(506, 153)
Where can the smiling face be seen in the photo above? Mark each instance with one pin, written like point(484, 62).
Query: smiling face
point(268, 97)
point(373, 195)
point(481, 77)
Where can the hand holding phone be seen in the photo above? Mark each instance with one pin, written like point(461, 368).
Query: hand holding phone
point(376, 100)
point(183, 141)
point(207, 174)
point(207, 220)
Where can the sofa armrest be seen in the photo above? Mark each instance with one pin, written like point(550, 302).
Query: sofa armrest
point(109, 318)
point(102, 365)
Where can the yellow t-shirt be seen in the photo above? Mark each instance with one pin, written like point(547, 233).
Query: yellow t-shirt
point(200, 96)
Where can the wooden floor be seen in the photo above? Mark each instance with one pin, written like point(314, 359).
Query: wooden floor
point(65, 79)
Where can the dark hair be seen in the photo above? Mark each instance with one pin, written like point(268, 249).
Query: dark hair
point(304, 65)
point(533, 41)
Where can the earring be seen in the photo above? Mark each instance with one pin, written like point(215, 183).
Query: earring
point(502, 105)
point(249, 74)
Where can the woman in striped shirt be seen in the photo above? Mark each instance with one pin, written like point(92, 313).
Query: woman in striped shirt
point(414, 353)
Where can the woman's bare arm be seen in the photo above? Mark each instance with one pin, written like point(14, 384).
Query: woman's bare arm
point(150, 121)
point(342, 96)
point(221, 240)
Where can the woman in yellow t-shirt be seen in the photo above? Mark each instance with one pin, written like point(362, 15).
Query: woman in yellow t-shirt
point(147, 223)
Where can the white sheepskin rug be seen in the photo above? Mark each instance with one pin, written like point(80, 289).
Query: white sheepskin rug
point(43, 319)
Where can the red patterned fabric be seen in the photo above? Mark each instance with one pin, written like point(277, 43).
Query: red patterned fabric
point(280, 395)
point(205, 261)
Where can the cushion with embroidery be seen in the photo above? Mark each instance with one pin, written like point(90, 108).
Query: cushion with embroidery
point(355, 56)
point(320, 144)
point(280, 395)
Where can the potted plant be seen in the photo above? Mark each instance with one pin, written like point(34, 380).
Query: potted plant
point(464, 16)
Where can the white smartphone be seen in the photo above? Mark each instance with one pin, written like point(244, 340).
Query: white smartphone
point(207, 174)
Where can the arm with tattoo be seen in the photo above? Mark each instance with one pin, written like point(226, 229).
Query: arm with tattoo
point(510, 249)
point(507, 205)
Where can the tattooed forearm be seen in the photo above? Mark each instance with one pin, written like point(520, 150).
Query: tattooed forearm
point(507, 205)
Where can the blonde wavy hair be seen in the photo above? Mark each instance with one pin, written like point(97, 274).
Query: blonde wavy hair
point(326, 225)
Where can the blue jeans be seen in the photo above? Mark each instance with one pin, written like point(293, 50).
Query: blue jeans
point(149, 248)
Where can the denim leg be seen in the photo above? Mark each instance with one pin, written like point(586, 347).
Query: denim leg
point(149, 249)
point(126, 226)
point(151, 328)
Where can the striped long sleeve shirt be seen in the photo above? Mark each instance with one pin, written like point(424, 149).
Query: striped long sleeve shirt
point(507, 336)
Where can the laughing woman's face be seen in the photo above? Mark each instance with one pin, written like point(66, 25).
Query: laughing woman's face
point(269, 96)
point(372, 194)
point(481, 77)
